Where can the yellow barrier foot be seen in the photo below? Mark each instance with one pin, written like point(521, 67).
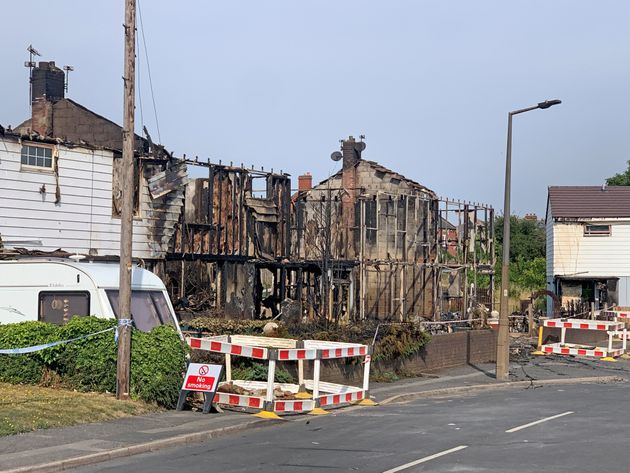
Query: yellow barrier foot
point(608, 358)
point(303, 395)
point(538, 353)
point(367, 402)
point(267, 415)
point(625, 356)
point(318, 411)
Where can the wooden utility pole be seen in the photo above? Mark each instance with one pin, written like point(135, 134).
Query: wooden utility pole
point(126, 221)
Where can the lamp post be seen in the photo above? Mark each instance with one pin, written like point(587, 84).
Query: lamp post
point(503, 342)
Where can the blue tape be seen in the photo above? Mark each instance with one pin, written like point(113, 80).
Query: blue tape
point(122, 323)
point(22, 351)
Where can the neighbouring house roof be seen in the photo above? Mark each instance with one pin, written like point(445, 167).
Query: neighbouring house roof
point(589, 201)
point(446, 225)
point(77, 124)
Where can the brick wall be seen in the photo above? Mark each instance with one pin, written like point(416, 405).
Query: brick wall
point(443, 351)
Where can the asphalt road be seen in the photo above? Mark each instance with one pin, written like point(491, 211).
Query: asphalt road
point(552, 429)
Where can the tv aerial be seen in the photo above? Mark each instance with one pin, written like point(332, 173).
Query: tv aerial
point(68, 69)
point(31, 64)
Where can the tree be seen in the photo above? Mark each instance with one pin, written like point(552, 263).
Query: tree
point(527, 253)
point(529, 275)
point(620, 179)
point(527, 239)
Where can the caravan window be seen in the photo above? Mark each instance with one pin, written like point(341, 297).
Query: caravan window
point(58, 307)
point(148, 308)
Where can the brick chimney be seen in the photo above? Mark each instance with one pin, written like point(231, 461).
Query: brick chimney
point(47, 87)
point(42, 116)
point(305, 182)
point(351, 152)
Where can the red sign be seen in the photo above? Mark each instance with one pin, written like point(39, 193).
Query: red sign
point(202, 377)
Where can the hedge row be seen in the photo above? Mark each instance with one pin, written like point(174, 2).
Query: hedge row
point(158, 358)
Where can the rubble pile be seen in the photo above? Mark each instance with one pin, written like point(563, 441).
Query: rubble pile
point(231, 388)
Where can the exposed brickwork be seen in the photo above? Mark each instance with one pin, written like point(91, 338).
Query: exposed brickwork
point(443, 351)
point(42, 117)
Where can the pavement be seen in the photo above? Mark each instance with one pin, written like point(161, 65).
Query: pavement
point(64, 448)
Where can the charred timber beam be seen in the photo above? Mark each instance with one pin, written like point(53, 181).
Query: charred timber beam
point(206, 257)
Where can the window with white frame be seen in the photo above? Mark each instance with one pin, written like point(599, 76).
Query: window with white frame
point(37, 156)
point(597, 230)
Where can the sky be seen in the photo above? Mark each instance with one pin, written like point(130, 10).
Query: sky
point(277, 84)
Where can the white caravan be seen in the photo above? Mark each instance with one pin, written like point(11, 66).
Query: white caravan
point(56, 290)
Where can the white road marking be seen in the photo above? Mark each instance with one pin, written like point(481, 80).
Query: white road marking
point(521, 427)
point(426, 459)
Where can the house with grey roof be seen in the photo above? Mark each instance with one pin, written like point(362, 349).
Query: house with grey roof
point(588, 246)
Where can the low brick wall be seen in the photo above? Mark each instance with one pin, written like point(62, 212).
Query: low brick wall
point(443, 351)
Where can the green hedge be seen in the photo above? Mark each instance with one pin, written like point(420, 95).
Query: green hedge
point(157, 358)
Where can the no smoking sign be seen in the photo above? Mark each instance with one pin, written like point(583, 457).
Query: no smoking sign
point(202, 377)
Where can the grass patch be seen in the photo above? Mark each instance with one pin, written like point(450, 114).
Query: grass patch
point(24, 408)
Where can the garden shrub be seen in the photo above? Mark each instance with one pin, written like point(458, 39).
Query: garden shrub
point(158, 361)
point(157, 358)
point(27, 368)
point(89, 364)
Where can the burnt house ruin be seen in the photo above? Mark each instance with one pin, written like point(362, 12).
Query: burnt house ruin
point(235, 224)
point(364, 243)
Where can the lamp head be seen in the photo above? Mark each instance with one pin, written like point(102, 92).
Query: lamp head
point(549, 103)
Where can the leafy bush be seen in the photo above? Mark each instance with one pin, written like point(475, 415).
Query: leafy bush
point(27, 368)
point(20, 369)
point(89, 364)
point(157, 365)
point(157, 358)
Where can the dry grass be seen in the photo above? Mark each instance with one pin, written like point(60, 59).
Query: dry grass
point(24, 408)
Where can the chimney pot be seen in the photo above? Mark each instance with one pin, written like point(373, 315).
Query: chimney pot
point(305, 182)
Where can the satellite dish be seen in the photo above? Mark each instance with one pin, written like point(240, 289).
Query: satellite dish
point(336, 156)
point(360, 146)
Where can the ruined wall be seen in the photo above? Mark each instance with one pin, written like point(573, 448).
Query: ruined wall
point(239, 290)
point(391, 237)
point(225, 217)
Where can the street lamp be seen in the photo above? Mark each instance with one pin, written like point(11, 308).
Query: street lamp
point(503, 343)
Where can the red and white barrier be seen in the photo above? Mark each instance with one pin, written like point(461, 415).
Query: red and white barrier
point(229, 348)
point(238, 400)
point(612, 328)
point(296, 354)
point(292, 406)
point(616, 313)
point(280, 349)
point(582, 324)
point(580, 350)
